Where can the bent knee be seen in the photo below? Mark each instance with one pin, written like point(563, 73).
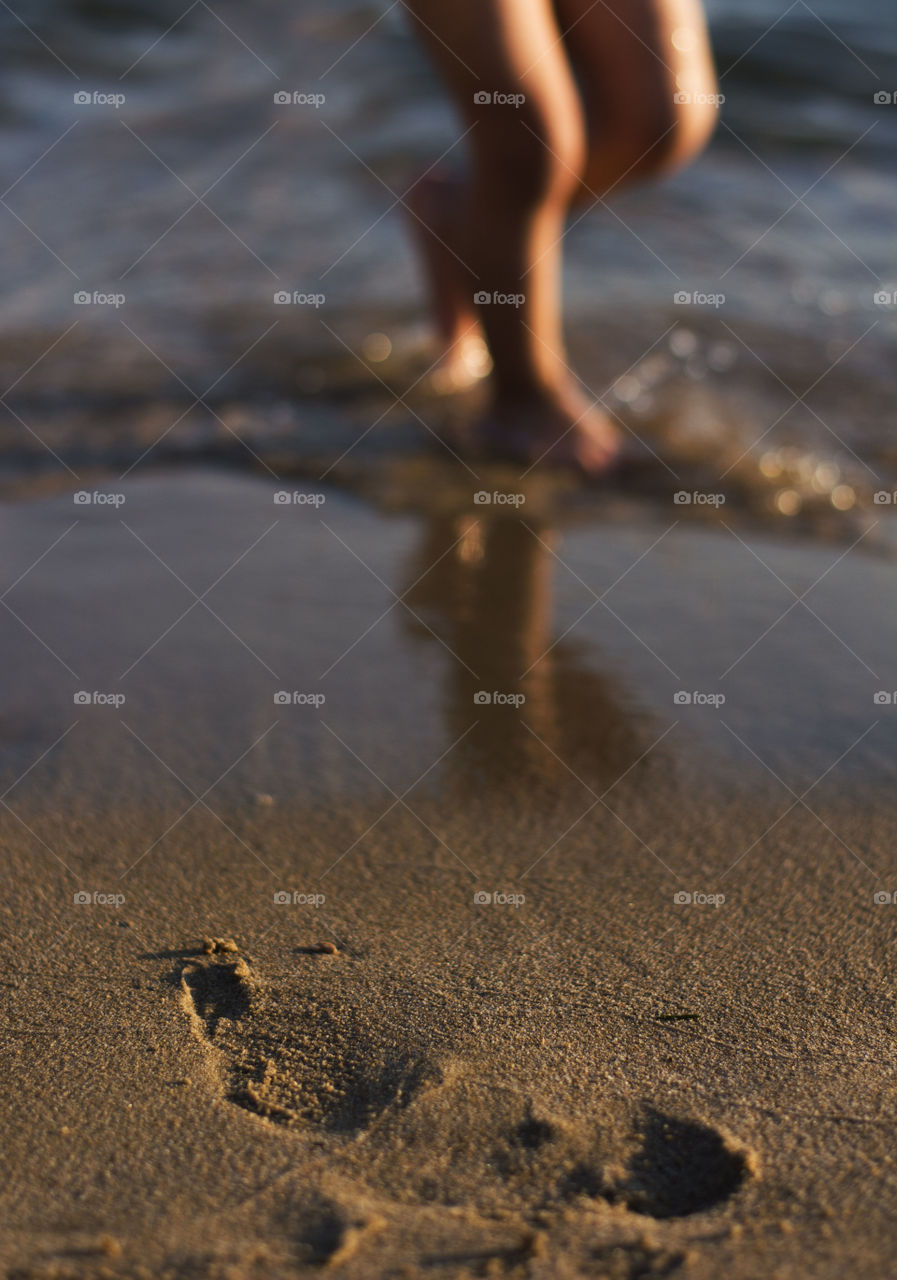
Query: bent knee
point(650, 138)
point(692, 120)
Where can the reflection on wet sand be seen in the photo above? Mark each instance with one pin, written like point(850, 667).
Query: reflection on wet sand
point(541, 712)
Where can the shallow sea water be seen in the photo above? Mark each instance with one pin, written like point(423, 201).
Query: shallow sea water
point(198, 198)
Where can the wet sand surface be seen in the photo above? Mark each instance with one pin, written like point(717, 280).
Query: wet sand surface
point(400, 882)
point(608, 990)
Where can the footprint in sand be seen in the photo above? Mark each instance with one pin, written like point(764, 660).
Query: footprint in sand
point(323, 1064)
point(513, 1154)
point(333, 1065)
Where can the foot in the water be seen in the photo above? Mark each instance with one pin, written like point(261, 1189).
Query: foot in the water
point(554, 426)
point(551, 428)
point(435, 205)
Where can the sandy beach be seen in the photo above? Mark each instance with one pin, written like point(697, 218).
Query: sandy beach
point(603, 989)
point(417, 867)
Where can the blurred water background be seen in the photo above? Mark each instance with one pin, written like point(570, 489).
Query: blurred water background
point(198, 197)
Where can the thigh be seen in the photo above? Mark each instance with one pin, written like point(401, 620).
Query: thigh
point(633, 57)
point(501, 49)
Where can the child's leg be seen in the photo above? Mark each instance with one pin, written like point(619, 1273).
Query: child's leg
point(437, 204)
point(645, 72)
point(526, 161)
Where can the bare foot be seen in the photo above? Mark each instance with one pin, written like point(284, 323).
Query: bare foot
point(555, 427)
point(435, 202)
point(561, 428)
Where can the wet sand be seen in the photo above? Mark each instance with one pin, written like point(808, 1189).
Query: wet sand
point(584, 1075)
